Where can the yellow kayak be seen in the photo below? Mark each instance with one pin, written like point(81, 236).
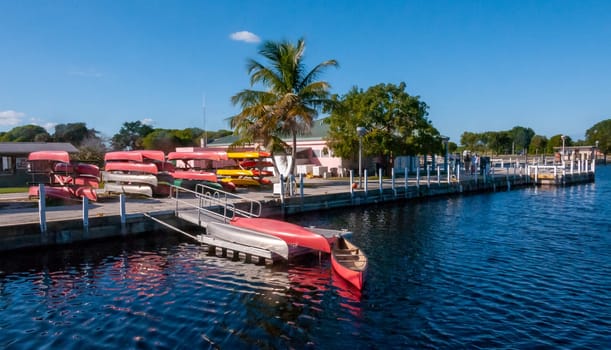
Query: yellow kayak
point(234, 172)
point(247, 155)
point(245, 181)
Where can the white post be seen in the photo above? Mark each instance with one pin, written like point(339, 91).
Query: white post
point(281, 189)
point(42, 208)
point(428, 175)
point(122, 208)
point(392, 179)
point(292, 185)
point(406, 179)
point(365, 181)
point(418, 174)
point(351, 183)
point(380, 181)
point(438, 175)
point(301, 185)
point(85, 213)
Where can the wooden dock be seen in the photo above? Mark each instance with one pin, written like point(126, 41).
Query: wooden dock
point(21, 226)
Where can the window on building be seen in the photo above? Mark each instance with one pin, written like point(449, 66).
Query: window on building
point(7, 165)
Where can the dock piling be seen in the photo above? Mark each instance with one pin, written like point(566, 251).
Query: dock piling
point(85, 213)
point(42, 208)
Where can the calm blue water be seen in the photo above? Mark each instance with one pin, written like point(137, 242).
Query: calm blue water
point(523, 269)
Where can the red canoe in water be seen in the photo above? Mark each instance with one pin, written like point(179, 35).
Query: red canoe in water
point(349, 262)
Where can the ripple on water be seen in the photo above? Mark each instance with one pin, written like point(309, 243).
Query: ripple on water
point(520, 269)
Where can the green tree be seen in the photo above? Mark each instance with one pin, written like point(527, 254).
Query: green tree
point(538, 144)
point(499, 142)
point(396, 124)
point(26, 133)
point(521, 137)
point(556, 141)
point(470, 140)
point(290, 102)
point(74, 133)
point(600, 132)
point(168, 139)
point(92, 150)
point(130, 136)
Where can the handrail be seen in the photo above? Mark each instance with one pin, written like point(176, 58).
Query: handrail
point(220, 197)
point(206, 199)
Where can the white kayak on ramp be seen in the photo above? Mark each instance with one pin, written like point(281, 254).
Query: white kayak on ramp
point(248, 238)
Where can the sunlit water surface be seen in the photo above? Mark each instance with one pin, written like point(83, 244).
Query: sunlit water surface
point(521, 269)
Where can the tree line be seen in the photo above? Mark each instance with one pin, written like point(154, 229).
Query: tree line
point(92, 145)
point(522, 140)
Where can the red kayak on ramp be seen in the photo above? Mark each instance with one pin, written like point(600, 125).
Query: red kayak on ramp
point(292, 234)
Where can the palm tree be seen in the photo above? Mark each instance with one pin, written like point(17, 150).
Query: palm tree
point(289, 104)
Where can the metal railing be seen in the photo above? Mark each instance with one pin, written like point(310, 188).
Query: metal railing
point(214, 202)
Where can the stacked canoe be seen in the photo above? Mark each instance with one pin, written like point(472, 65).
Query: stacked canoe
point(251, 169)
point(192, 168)
point(61, 177)
point(142, 172)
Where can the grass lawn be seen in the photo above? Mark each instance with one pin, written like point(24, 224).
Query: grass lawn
point(13, 189)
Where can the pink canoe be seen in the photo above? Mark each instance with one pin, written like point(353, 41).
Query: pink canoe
point(195, 175)
point(292, 234)
point(198, 155)
point(78, 168)
point(148, 168)
point(65, 192)
point(57, 156)
point(123, 156)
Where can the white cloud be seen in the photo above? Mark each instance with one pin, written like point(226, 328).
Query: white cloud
point(10, 118)
point(147, 121)
point(245, 36)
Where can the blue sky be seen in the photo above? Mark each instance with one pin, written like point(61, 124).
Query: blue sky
point(480, 65)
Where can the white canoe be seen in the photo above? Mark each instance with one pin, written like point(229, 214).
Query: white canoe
point(248, 238)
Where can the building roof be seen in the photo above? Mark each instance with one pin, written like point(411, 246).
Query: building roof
point(319, 130)
point(24, 148)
